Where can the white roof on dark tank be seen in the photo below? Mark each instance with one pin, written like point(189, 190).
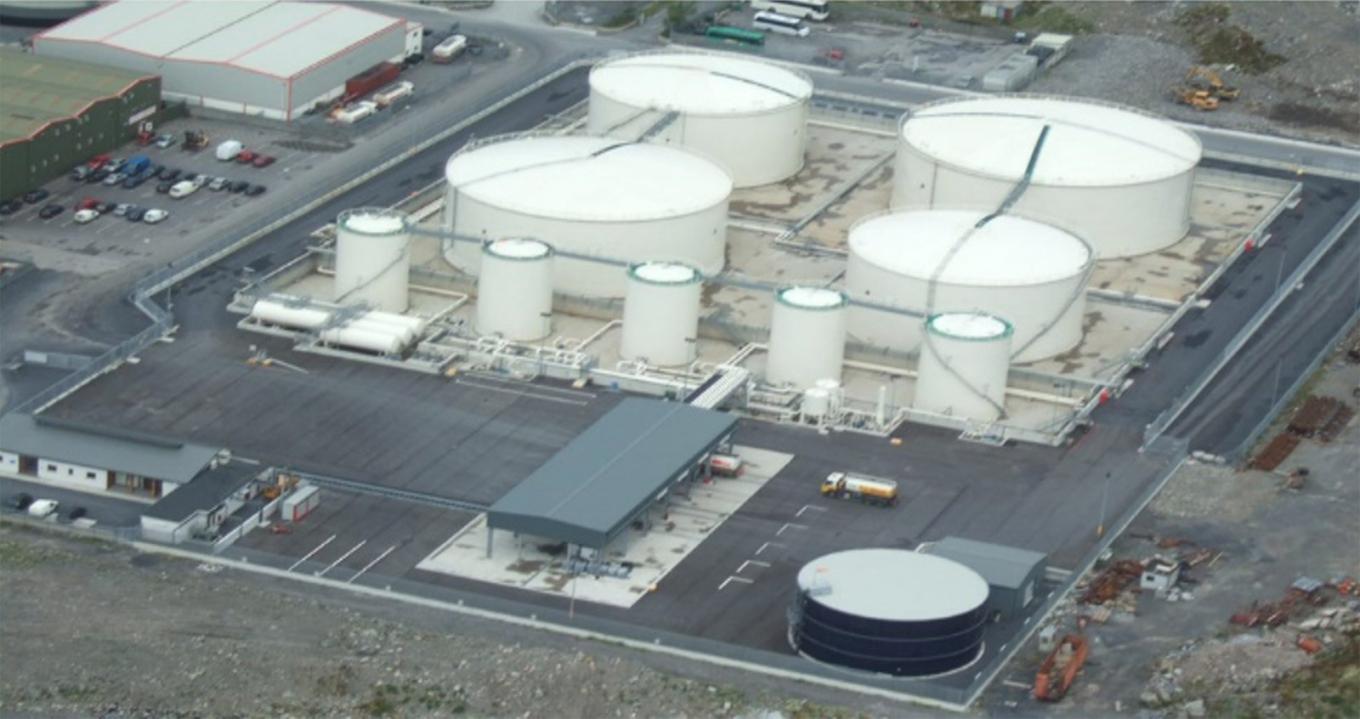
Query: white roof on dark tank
point(893, 585)
point(1006, 251)
point(700, 84)
point(1088, 144)
point(588, 178)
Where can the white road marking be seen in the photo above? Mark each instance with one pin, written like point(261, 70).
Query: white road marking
point(522, 393)
point(764, 565)
point(767, 545)
point(735, 579)
point(314, 551)
point(789, 525)
point(342, 558)
point(806, 507)
point(369, 566)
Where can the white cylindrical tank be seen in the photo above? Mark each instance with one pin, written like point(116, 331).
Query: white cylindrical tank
point(589, 196)
point(748, 116)
point(1032, 274)
point(372, 259)
point(807, 336)
point(299, 316)
point(1118, 178)
point(363, 337)
point(514, 291)
point(661, 313)
point(963, 364)
point(816, 403)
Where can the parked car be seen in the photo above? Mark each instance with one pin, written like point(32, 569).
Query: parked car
point(238, 186)
point(98, 175)
point(121, 209)
point(255, 190)
point(33, 197)
point(105, 208)
point(183, 189)
point(88, 203)
point(171, 174)
point(229, 150)
point(136, 165)
point(19, 501)
point(218, 184)
point(76, 513)
point(136, 181)
point(84, 216)
point(114, 178)
point(51, 211)
point(263, 160)
point(114, 164)
point(245, 157)
point(200, 180)
point(164, 187)
point(9, 207)
point(43, 507)
point(166, 141)
point(135, 214)
point(155, 215)
point(81, 172)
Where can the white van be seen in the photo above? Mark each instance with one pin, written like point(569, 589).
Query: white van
point(228, 150)
point(183, 189)
point(393, 92)
point(782, 24)
point(449, 50)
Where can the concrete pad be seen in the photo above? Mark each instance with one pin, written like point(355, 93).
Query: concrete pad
point(676, 529)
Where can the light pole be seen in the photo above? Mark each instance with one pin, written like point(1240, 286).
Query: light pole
point(1104, 501)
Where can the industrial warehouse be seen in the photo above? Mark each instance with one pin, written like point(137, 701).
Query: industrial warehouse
point(243, 57)
point(704, 361)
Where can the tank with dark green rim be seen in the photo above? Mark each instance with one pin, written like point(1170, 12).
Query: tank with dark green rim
point(969, 326)
point(664, 273)
point(518, 248)
point(811, 298)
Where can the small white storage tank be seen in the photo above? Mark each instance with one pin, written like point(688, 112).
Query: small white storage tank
point(286, 311)
point(514, 291)
point(748, 116)
point(590, 196)
point(1116, 177)
point(372, 259)
point(963, 364)
point(1032, 274)
point(661, 313)
point(364, 337)
point(807, 336)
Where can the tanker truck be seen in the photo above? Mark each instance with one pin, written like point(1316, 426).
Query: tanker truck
point(870, 490)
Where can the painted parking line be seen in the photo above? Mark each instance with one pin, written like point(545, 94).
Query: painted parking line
point(743, 580)
point(806, 507)
point(789, 525)
point(307, 556)
point(767, 545)
point(369, 566)
point(752, 562)
point(342, 558)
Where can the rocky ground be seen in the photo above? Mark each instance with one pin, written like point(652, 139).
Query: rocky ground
point(96, 629)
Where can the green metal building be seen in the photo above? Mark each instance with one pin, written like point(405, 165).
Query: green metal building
point(55, 114)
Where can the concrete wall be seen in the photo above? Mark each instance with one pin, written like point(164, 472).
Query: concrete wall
point(9, 463)
point(72, 475)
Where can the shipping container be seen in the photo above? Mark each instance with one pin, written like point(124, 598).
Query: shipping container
point(370, 80)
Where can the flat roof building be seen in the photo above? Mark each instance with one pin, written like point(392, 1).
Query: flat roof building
point(1012, 573)
point(257, 57)
point(594, 488)
point(55, 114)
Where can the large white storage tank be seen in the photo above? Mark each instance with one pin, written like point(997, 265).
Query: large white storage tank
point(514, 291)
point(589, 196)
point(372, 259)
point(963, 364)
point(747, 115)
point(1032, 274)
point(807, 336)
point(661, 313)
point(1116, 177)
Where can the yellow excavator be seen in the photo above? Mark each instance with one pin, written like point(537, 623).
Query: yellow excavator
point(1204, 89)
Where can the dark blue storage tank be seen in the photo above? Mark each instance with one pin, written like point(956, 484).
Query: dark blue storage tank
point(889, 611)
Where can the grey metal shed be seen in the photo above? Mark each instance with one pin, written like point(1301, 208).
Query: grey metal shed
point(589, 492)
point(1012, 573)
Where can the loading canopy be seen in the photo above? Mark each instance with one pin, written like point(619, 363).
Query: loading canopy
point(588, 492)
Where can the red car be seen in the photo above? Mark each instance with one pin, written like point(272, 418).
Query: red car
point(98, 161)
point(263, 161)
point(88, 203)
point(246, 157)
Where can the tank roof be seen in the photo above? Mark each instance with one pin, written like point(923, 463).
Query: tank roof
point(1088, 144)
point(665, 273)
point(373, 222)
point(812, 297)
point(700, 84)
point(970, 325)
point(893, 585)
point(1006, 251)
point(588, 178)
point(518, 248)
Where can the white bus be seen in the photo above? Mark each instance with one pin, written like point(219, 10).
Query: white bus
point(802, 9)
point(774, 22)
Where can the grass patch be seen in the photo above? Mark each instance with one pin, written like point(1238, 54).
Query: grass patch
point(1052, 17)
point(1220, 43)
point(25, 555)
point(387, 699)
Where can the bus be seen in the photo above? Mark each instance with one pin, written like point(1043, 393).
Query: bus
point(741, 35)
point(801, 9)
point(783, 24)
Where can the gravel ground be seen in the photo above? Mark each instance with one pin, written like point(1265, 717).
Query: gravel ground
point(96, 629)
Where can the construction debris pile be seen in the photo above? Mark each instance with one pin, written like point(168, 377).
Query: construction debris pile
point(1169, 574)
point(1319, 418)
